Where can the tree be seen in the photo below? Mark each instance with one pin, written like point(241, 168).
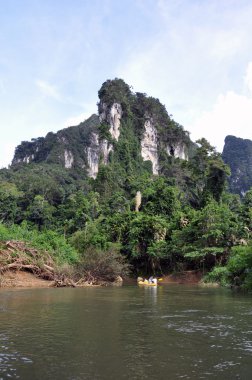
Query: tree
point(145, 234)
point(40, 212)
point(247, 210)
point(9, 202)
point(158, 198)
point(239, 267)
point(208, 236)
point(209, 173)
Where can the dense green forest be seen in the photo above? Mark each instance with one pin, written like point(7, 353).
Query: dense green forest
point(127, 219)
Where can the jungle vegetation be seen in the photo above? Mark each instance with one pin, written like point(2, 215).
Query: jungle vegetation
point(186, 218)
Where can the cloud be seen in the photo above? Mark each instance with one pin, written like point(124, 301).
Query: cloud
point(231, 114)
point(226, 44)
point(196, 67)
point(248, 77)
point(187, 63)
point(47, 89)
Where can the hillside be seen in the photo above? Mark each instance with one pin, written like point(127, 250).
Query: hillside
point(237, 153)
point(129, 124)
point(127, 190)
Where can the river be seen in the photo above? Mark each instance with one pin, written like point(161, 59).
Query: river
point(169, 332)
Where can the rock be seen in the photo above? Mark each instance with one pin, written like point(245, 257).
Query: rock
point(149, 145)
point(118, 281)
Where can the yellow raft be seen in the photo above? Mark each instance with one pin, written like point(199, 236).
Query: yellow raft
point(146, 283)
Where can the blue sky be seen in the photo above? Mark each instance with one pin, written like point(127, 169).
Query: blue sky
point(194, 55)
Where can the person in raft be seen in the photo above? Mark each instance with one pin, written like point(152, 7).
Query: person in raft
point(152, 280)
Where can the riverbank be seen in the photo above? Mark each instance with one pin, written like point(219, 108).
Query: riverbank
point(185, 277)
point(22, 266)
point(24, 279)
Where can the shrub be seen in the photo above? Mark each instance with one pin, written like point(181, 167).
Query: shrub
point(240, 266)
point(97, 265)
point(46, 240)
point(218, 274)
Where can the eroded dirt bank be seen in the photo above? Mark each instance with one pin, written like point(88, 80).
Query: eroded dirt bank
point(21, 279)
point(186, 277)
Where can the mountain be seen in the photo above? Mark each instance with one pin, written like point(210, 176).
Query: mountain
point(131, 143)
point(237, 153)
point(130, 127)
point(128, 181)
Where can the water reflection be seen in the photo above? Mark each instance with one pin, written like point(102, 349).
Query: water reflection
point(151, 294)
point(129, 332)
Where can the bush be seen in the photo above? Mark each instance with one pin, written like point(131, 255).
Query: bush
point(90, 237)
point(99, 265)
point(240, 266)
point(4, 233)
point(218, 274)
point(50, 241)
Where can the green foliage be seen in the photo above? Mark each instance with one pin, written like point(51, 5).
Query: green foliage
point(9, 199)
point(217, 174)
point(50, 241)
point(40, 212)
point(77, 210)
point(115, 91)
point(160, 199)
point(218, 274)
point(104, 133)
point(209, 173)
point(116, 227)
point(186, 218)
point(53, 148)
point(207, 236)
point(240, 266)
point(4, 232)
point(125, 162)
point(117, 203)
point(247, 211)
point(91, 236)
point(141, 239)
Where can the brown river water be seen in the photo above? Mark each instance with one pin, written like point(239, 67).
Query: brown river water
point(130, 332)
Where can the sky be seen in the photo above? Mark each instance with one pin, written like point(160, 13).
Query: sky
point(194, 55)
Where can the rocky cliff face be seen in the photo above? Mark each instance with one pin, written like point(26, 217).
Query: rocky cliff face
point(70, 147)
point(149, 147)
point(237, 153)
point(93, 155)
point(69, 159)
point(92, 142)
point(97, 152)
point(112, 115)
point(178, 150)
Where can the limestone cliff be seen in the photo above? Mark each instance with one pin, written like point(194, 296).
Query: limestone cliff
point(149, 145)
point(69, 159)
point(70, 147)
point(178, 150)
point(97, 152)
point(128, 127)
point(112, 115)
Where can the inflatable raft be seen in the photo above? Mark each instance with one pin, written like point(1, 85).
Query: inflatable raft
point(146, 283)
point(152, 281)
